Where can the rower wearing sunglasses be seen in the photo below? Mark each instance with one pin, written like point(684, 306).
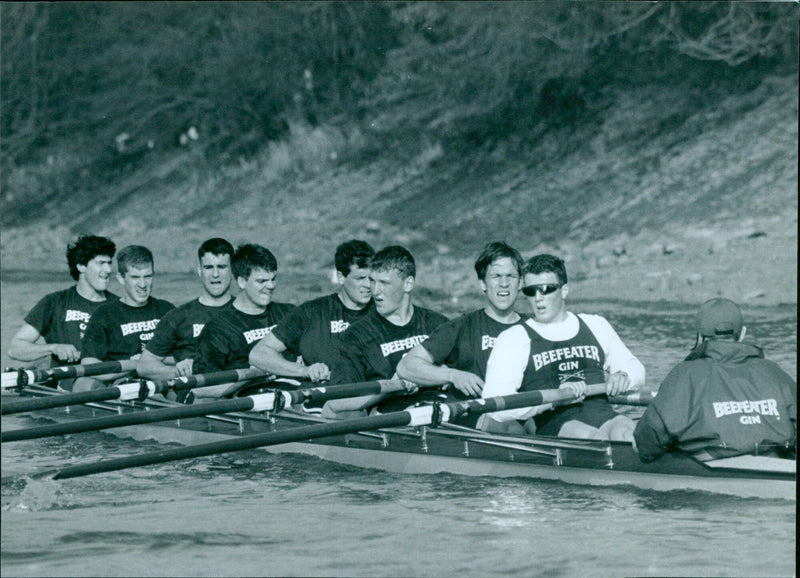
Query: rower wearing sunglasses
point(559, 349)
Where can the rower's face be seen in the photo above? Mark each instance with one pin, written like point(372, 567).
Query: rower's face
point(137, 283)
point(388, 290)
point(258, 288)
point(215, 274)
point(547, 308)
point(501, 284)
point(357, 285)
point(97, 272)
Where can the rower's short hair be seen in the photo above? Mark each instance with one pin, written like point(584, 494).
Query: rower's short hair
point(133, 256)
point(353, 253)
point(85, 248)
point(215, 246)
point(249, 257)
point(395, 257)
point(545, 263)
point(497, 250)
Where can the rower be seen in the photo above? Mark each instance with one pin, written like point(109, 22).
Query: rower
point(724, 399)
point(457, 351)
point(372, 347)
point(556, 348)
point(310, 331)
point(53, 329)
point(120, 329)
point(171, 351)
point(227, 339)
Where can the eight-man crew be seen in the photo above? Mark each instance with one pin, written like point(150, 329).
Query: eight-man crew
point(724, 399)
point(171, 351)
point(226, 340)
point(57, 323)
point(557, 348)
point(120, 329)
point(372, 347)
point(311, 330)
point(457, 352)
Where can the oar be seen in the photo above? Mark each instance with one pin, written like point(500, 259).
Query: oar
point(416, 416)
point(21, 377)
point(270, 401)
point(128, 391)
point(635, 398)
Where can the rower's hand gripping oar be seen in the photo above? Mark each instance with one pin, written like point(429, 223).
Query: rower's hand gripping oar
point(15, 378)
point(137, 390)
point(270, 401)
point(417, 416)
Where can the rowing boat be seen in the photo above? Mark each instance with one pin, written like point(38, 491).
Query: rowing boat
point(459, 450)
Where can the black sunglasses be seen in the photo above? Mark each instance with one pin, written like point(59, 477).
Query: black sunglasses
point(544, 289)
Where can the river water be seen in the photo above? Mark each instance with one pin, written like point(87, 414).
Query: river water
point(254, 513)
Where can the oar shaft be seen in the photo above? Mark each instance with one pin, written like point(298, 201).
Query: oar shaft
point(131, 418)
point(63, 400)
point(326, 393)
point(22, 377)
point(322, 430)
point(635, 398)
point(518, 400)
point(207, 379)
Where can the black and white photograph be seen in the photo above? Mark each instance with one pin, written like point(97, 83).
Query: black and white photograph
point(399, 288)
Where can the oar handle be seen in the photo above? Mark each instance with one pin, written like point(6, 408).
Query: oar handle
point(635, 398)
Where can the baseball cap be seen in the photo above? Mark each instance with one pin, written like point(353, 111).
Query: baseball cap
point(719, 316)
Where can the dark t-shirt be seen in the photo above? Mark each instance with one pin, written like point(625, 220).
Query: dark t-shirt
point(118, 331)
point(465, 343)
point(312, 329)
point(227, 339)
point(178, 331)
point(62, 317)
point(372, 347)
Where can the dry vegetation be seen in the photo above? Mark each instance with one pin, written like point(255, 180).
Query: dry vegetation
point(653, 144)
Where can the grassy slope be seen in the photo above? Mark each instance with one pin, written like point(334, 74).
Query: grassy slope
point(651, 199)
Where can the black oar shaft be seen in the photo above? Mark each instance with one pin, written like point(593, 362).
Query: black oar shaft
point(327, 393)
point(103, 394)
point(132, 418)
point(28, 376)
point(238, 444)
point(207, 379)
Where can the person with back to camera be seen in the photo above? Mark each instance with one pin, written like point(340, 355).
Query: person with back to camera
point(724, 399)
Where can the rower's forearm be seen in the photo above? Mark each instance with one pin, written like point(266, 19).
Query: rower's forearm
point(271, 361)
point(155, 372)
point(422, 373)
point(355, 403)
point(26, 351)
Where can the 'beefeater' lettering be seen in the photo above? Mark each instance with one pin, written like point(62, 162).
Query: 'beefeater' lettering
point(138, 327)
point(256, 334)
point(763, 407)
point(555, 355)
point(401, 344)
